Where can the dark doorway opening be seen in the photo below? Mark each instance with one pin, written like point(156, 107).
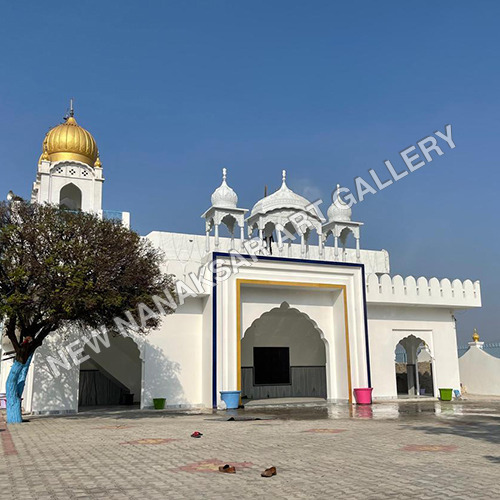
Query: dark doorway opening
point(271, 365)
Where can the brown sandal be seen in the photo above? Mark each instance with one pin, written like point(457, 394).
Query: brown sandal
point(229, 469)
point(271, 471)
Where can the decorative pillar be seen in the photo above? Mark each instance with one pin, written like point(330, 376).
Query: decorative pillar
point(216, 235)
point(320, 244)
point(302, 246)
point(242, 237)
point(207, 240)
point(280, 241)
point(336, 247)
point(358, 252)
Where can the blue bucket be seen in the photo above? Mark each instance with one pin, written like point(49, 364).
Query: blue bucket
point(231, 398)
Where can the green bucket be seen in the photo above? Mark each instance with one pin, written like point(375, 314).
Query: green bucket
point(445, 394)
point(159, 403)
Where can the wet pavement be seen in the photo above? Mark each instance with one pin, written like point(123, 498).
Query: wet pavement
point(407, 449)
point(387, 410)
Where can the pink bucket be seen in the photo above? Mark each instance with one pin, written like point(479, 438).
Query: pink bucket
point(363, 396)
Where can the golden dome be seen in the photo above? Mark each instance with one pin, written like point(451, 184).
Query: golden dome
point(69, 141)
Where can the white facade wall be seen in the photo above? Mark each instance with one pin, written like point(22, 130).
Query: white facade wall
point(173, 358)
point(45, 392)
point(184, 253)
point(387, 325)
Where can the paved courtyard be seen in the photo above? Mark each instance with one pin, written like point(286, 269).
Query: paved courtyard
point(411, 450)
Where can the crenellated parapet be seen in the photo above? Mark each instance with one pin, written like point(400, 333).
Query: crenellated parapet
point(384, 289)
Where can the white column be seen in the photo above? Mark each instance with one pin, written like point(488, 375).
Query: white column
point(207, 240)
point(358, 252)
point(216, 235)
point(280, 241)
point(261, 234)
point(320, 244)
point(336, 247)
point(242, 237)
point(302, 245)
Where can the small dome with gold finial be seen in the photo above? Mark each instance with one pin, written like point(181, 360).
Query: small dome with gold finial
point(69, 141)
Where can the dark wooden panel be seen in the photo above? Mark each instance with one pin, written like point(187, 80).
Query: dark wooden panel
point(307, 381)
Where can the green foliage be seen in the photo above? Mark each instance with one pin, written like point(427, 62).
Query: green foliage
point(59, 266)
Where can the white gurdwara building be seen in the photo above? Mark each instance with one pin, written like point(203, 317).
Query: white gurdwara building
point(278, 309)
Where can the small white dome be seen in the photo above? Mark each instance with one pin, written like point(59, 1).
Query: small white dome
point(283, 198)
point(339, 210)
point(224, 196)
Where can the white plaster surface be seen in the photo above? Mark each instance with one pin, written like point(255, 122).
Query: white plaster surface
point(480, 372)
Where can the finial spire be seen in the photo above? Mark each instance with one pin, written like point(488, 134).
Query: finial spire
point(283, 176)
point(337, 191)
point(71, 110)
point(224, 174)
point(475, 335)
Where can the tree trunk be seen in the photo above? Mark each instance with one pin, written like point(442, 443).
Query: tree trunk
point(15, 387)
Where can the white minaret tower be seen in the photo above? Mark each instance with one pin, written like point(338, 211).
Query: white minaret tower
point(69, 169)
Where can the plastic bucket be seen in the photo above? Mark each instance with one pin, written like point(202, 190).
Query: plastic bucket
point(363, 396)
point(159, 403)
point(231, 398)
point(445, 394)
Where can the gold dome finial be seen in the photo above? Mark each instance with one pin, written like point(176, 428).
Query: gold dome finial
point(98, 163)
point(475, 335)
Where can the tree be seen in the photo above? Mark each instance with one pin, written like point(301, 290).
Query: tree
point(60, 268)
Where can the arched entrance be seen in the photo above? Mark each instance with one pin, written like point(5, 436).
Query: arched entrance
point(283, 355)
point(414, 368)
point(113, 373)
point(70, 197)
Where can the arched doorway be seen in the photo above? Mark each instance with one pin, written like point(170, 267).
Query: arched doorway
point(283, 355)
point(414, 368)
point(70, 197)
point(112, 374)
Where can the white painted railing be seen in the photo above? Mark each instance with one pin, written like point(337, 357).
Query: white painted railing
point(386, 289)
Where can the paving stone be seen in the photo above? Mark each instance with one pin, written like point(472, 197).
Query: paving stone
point(318, 454)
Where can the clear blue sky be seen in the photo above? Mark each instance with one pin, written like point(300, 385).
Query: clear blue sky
point(173, 91)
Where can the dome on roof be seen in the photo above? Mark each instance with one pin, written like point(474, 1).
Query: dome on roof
point(339, 210)
point(69, 141)
point(283, 198)
point(224, 196)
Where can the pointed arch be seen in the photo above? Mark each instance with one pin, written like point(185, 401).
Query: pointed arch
point(70, 197)
point(284, 354)
point(285, 306)
point(414, 367)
